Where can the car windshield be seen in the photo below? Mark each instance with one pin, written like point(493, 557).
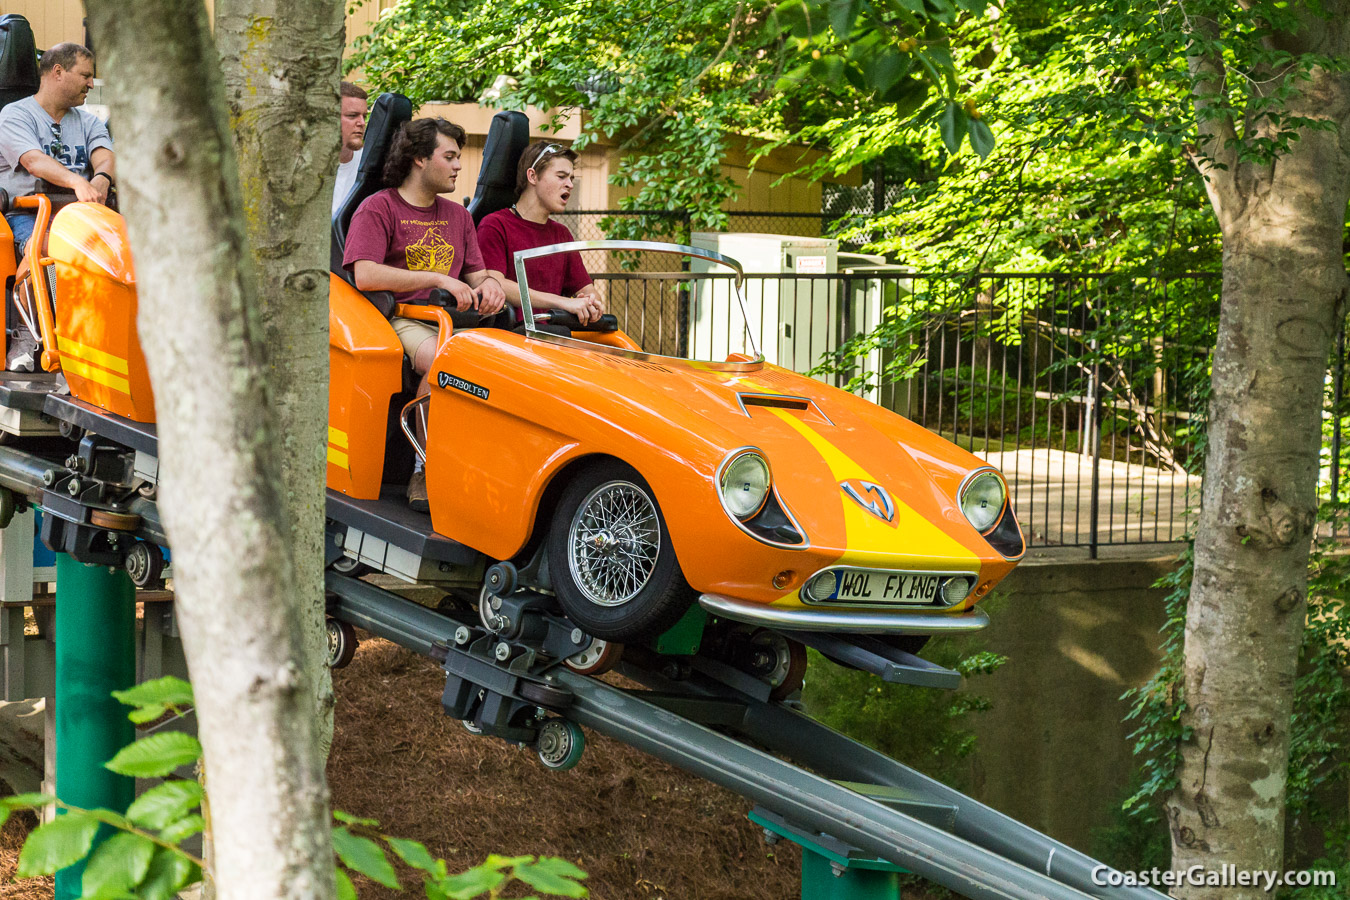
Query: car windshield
point(697, 313)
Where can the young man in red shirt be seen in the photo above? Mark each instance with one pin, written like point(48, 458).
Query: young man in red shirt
point(544, 181)
point(409, 240)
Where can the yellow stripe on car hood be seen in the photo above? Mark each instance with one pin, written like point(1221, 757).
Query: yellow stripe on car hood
point(911, 534)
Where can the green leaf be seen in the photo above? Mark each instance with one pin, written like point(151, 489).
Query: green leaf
point(952, 124)
point(153, 699)
point(842, 14)
point(116, 866)
point(165, 803)
point(345, 889)
point(914, 6)
point(167, 690)
point(553, 876)
point(57, 844)
point(414, 854)
point(156, 756)
point(169, 873)
point(361, 854)
point(981, 138)
point(466, 885)
point(26, 801)
point(886, 69)
point(183, 829)
point(908, 95)
point(354, 820)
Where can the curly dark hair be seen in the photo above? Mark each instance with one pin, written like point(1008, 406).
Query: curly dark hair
point(416, 140)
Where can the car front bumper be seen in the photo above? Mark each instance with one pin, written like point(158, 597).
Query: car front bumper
point(853, 621)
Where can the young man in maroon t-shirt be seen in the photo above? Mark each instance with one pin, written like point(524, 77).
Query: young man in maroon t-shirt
point(543, 184)
point(409, 240)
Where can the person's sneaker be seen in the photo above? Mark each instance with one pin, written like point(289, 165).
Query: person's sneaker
point(417, 493)
point(22, 353)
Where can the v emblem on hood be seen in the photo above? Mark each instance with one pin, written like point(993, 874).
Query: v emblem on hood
point(871, 497)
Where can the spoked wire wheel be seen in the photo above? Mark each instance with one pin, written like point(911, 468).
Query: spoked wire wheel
point(609, 553)
point(614, 543)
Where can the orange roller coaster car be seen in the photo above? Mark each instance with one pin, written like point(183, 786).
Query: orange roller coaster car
point(629, 485)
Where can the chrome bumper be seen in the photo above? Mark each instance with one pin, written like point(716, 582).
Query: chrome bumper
point(854, 621)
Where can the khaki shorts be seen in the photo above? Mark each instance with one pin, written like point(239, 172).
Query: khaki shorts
point(412, 333)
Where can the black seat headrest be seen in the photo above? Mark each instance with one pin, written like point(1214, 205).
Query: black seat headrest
point(508, 136)
point(387, 114)
point(18, 59)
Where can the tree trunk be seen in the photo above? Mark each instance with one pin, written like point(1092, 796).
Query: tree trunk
point(280, 60)
point(1284, 289)
point(221, 492)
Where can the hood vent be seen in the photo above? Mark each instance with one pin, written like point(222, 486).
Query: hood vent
point(801, 407)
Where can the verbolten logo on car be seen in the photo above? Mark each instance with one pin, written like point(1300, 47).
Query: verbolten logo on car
point(871, 497)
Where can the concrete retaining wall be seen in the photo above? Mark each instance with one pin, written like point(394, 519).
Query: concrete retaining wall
point(1053, 751)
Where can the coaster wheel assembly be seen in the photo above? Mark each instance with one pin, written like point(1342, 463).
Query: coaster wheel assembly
point(560, 744)
point(341, 642)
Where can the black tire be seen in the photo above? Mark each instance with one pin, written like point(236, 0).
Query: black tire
point(546, 695)
point(626, 603)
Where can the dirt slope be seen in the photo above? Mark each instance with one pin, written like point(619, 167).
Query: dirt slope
point(639, 827)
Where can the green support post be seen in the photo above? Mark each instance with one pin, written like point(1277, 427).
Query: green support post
point(832, 870)
point(95, 637)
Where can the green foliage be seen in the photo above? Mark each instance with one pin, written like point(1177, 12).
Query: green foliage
point(1157, 706)
point(920, 728)
point(678, 85)
point(144, 858)
point(364, 853)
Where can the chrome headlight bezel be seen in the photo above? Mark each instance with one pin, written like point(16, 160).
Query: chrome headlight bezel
point(988, 514)
point(745, 456)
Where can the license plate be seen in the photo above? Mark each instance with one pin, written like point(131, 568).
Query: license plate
point(861, 586)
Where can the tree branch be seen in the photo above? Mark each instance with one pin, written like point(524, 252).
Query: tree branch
point(1215, 156)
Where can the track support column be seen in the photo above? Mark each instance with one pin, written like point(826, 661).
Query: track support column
point(95, 632)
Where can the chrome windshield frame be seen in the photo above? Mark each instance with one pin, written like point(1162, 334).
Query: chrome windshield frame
point(712, 256)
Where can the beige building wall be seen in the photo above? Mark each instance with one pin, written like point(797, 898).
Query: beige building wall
point(54, 21)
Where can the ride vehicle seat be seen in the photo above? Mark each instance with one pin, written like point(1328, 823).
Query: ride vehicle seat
point(18, 79)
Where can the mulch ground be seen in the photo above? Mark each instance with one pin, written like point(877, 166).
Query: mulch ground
point(638, 827)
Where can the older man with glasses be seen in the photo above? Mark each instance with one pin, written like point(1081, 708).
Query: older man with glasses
point(544, 182)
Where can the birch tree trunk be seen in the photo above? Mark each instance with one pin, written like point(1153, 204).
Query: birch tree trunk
point(280, 60)
point(1284, 290)
point(221, 491)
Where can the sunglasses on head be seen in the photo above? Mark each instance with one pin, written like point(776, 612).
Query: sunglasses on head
point(548, 149)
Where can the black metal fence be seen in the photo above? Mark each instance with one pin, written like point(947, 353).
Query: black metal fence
point(1086, 390)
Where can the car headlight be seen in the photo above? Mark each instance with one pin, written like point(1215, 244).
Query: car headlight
point(744, 485)
point(982, 500)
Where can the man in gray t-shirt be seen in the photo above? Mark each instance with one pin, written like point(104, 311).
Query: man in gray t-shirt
point(47, 137)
